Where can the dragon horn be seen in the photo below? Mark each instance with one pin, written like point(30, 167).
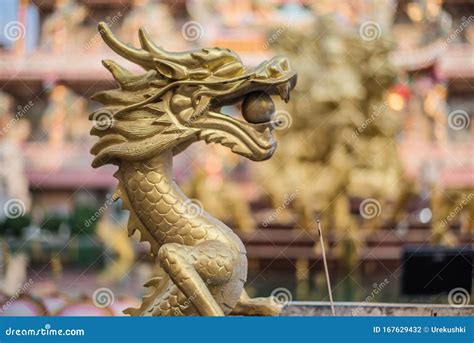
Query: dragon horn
point(149, 46)
point(140, 57)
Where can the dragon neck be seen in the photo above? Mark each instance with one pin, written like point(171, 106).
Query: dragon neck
point(160, 211)
point(161, 164)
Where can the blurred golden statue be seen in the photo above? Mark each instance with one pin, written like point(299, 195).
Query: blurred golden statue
point(341, 144)
point(156, 16)
point(62, 30)
point(451, 205)
point(63, 119)
point(116, 241)
point(14, 131)
point(156, 115)
point(218, 192)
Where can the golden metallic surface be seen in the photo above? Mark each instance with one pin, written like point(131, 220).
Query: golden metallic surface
point(449, 205)
point(258, 107)
point(151, 118)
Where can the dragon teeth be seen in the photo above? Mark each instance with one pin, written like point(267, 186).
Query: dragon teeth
point(238, 149)
point(205, 135)
point(284, 91)
point(213, 138)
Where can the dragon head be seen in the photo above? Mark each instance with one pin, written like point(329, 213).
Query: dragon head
point(178, 101)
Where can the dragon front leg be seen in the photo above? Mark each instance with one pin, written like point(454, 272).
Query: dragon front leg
point(194, 269)
point(256, 306)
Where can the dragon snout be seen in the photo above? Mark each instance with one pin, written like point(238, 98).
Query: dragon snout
point(279, 64)
point(275, 68)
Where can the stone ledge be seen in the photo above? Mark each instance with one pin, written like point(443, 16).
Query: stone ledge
point(320, 308)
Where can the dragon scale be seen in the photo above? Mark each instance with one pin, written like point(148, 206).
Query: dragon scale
point(161, 212)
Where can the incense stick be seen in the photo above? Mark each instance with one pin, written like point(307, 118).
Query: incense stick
point(326, 270)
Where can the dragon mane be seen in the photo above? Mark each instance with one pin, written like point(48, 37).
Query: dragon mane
point(135, 121)
point(129, 126)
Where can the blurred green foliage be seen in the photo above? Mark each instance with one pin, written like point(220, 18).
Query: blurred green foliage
point(53, 222)
point(14, 226)
point(83, 220)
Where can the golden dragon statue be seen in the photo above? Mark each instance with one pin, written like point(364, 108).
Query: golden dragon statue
point(152, 117)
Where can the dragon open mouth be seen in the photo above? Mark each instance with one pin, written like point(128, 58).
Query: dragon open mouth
point(178, 100)
point(251, 138)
